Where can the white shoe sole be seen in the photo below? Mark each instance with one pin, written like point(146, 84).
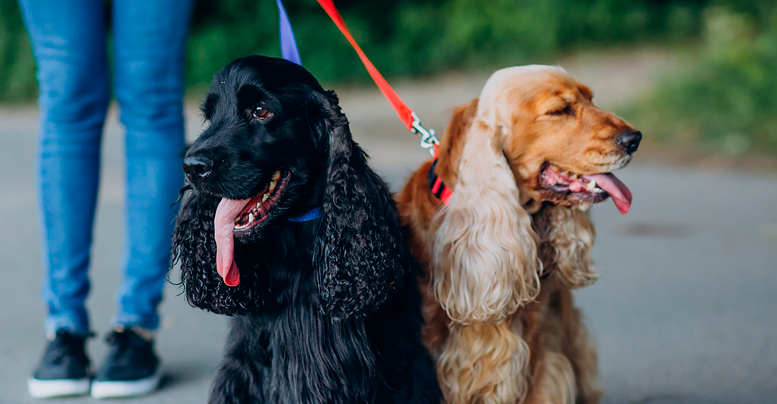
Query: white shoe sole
point(57, 388)
point(119, 389)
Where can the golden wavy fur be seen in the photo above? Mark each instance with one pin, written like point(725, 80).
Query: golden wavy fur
point(500, 335)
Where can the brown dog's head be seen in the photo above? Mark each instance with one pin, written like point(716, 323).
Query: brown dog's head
point(533, 136)
point(560, 147)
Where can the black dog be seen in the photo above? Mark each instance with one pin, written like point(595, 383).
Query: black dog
point(327, 309)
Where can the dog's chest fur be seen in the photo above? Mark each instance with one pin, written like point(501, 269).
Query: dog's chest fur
point(290, 345)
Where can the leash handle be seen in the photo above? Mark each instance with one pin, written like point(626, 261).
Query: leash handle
point(406, 115)
point(288, 43)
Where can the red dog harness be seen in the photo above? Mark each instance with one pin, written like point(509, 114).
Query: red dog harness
point(437, 186)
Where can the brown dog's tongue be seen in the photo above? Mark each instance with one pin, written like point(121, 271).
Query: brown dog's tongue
point(224, 222)
point(619, 193)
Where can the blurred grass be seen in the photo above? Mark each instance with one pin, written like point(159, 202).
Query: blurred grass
point(17, 67)
point(403, 37)
point(725, 100)
point(423, 37)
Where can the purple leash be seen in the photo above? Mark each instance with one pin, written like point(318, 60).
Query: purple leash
point(291, 53)
point(288, 44)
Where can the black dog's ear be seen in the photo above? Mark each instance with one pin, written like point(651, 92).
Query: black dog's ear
point(194, 248)
point(360, 252)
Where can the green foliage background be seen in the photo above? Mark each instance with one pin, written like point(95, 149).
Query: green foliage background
point(420, 37)
point(725, 101)
point(17, 67)
point(403, 37)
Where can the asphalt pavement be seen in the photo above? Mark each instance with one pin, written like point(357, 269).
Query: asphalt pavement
point(685, 310)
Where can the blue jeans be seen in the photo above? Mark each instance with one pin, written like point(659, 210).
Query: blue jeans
point(69, 43)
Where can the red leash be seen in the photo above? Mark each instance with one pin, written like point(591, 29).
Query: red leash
point(406, 115)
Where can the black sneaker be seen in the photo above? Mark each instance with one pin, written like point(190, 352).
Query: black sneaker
point(64, 368)
point(131, 368)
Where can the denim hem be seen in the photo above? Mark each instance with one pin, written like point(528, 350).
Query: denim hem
point(133, 320)
point(68, 323)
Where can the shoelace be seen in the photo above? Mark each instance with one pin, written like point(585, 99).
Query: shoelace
point(116, 338)
point(64, 342)
point(119, 342)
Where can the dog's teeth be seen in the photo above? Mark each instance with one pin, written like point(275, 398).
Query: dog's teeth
point(258, 204)
point(573, 176)
point(591, 185)
point(272, 184)
point(237, 219)
point(565, 172)
point(276, 175)
point(250, 218)
point(265, 196)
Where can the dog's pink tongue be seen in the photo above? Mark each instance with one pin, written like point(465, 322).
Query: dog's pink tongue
point(619, 193)
point(224, 222)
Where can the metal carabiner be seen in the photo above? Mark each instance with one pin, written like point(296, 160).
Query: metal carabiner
point(428, 138)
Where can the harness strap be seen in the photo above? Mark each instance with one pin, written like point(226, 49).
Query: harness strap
point(437, 186)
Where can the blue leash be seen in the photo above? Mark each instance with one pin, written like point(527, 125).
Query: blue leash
point(291, 53)
point(288, 43)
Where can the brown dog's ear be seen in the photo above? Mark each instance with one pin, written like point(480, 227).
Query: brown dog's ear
point(455, 138)
point(485, 263)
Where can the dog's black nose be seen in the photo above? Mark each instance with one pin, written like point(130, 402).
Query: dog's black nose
point(197, 168)
point(629, 141)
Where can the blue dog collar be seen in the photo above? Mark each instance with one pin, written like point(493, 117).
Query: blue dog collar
point(312, 214)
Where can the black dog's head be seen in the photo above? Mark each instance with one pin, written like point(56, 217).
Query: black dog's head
point(261, 142)
point(276, 146)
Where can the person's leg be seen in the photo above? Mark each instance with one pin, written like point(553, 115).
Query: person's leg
point(68, 39)
point(149, 43)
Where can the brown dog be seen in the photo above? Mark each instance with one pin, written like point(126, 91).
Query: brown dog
point(524, 162)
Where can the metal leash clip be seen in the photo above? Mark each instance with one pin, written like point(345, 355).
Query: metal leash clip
point(428, 139)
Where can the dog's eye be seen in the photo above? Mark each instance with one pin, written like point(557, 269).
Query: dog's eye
point(566, 110)
point(261, 113)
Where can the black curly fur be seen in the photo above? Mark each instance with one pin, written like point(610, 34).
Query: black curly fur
point(327, 311)
point(358, 257)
